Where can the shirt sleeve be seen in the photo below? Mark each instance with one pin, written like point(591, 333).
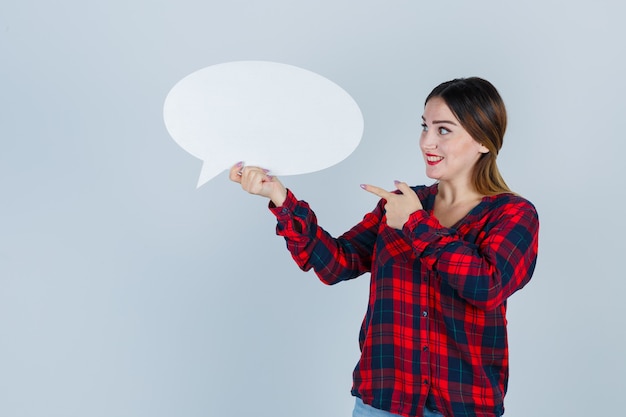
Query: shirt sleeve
point(332, 259)
point(485, 273)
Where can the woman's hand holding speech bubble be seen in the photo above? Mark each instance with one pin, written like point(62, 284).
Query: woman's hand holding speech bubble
point(270, 115)
point(256, 181)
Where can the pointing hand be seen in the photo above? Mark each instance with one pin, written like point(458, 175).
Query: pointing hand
point(399, 205)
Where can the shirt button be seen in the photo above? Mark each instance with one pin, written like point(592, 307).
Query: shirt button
point(425, 348)
point(425, 313)
point(425, 382)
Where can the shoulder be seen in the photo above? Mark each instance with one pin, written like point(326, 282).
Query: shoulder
point(510, 200)
point(423, 191)
point(512, 207)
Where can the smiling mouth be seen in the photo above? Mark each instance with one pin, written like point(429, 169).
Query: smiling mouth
point(433, 159)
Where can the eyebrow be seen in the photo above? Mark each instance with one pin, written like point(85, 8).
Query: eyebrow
point(435, 122)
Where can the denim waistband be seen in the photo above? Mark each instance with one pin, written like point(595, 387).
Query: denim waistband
point(430, 402)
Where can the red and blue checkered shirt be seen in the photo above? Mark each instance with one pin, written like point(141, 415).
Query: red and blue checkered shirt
point(436, 318)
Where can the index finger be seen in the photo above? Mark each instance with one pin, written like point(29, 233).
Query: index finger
point(380, 192)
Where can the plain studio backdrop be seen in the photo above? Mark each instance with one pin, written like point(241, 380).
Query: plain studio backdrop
point(126, 291)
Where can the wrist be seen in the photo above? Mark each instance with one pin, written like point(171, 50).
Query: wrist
point(279, 197)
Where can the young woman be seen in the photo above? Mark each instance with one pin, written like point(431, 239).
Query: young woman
point(443, 261)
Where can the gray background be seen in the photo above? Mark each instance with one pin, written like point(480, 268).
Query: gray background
point(126, 291)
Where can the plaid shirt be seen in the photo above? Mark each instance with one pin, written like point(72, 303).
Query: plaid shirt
point(435, 321)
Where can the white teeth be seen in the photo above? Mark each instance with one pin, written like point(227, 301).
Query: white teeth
point(434, 158)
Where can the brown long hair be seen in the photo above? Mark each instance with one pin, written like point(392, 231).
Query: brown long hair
point(479, 108)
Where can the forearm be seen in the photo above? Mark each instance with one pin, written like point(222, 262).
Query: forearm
point(486, 272)
point(333, 259)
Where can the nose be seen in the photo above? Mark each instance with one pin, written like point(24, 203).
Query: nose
point(428, 140)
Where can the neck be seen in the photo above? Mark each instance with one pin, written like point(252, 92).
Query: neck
point(457, 193)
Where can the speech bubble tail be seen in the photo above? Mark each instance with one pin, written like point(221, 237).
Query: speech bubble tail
point(207, 173)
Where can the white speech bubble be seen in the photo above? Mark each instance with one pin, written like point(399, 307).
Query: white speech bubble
point(277, 116)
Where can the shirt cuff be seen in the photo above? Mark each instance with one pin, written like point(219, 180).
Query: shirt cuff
point(423, 230)
point(289, 205)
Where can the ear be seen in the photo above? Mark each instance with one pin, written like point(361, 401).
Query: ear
point(483, 149)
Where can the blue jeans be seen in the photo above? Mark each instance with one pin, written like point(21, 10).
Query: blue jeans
point(364, 410)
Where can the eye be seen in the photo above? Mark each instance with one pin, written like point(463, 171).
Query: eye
point(443, 131)
point(424, 127)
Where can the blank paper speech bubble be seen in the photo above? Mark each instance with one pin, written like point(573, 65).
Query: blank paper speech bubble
point(277, 116)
